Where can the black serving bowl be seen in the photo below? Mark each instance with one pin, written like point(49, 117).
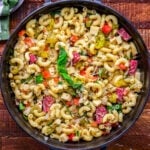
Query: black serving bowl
point(129, 120)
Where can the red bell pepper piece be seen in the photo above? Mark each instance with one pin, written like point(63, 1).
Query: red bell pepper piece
point(106, 29)
point(74, 38)
point(76, 101)
point(46, 74)
point(70, 136)
point(83, 72)
point(29, 41)
point(122, 66)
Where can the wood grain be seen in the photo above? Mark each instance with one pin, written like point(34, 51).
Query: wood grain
point(24, 143)
point(137, 138)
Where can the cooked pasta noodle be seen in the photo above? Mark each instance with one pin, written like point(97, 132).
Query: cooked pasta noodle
point(74, 77)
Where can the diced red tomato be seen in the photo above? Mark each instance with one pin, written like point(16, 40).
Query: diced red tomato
point(21, 33)
point(76, 57)
point(76, 101)
point(47, 103)
point(120, 93)
point(33, 58)
point(133, 67)
point(106, 29)
point(46, 74)
point(70, 136)
point(122, 66)
point(101, 111)
point(29, 41)
point(74, 38)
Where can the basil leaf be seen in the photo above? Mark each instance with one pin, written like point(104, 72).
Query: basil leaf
point(61, 65)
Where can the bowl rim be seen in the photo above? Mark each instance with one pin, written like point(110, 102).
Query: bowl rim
point(16, 31)
point(19, 3)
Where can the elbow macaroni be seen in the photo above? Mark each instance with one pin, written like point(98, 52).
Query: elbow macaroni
point(52, 104)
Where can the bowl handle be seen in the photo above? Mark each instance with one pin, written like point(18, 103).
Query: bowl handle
point(101, 148)
point(51, 1)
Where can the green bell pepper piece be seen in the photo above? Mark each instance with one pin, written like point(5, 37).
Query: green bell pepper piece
point(21, 106)
point(39, 79)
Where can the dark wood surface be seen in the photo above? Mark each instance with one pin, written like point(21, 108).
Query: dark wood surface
point(137, 138)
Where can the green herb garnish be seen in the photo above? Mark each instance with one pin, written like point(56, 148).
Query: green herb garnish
point(61, 65)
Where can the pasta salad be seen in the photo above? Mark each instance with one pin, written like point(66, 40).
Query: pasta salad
point(74, 74)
